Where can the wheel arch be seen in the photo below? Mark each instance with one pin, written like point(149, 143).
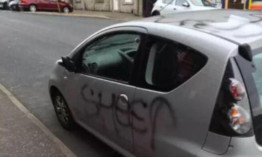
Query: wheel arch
point(32, 4)
point(54, 90)
point(155, 13)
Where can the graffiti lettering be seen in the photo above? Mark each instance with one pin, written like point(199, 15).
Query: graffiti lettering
point(154, 108)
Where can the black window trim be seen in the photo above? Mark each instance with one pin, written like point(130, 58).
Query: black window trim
point(122, 30)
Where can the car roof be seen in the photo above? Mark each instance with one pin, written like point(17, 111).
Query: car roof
point(237, 26)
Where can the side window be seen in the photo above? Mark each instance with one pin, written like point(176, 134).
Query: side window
point(167, 1)
point(111, 56)
point(180, 2)
point(170, 64)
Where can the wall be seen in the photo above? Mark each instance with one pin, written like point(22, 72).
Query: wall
point(98, 5)
point(125, 6)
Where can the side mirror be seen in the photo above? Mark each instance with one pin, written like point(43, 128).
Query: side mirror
point(186, 4)
point(68, 63)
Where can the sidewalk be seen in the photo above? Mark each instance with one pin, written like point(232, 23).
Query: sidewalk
point(21, 136)
point(95, 14)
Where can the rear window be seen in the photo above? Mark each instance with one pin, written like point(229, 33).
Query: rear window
point(257, 108)
point(171, 64)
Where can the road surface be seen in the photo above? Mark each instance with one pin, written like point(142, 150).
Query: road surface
point(29, 46)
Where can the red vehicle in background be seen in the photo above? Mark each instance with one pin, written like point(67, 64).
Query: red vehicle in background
point(45, 5)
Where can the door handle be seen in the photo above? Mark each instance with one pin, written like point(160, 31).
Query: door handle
point(123, 98)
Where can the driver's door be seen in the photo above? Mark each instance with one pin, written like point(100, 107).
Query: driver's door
point(53, 5)
point(168, 7)
point(103, 90)
point(180, 5)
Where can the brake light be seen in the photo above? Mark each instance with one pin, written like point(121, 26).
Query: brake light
point(237, 89)
point(231, 116)
point(239, 118)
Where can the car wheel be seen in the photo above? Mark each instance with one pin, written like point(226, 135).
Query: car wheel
point(5, 6)
point(66, 10)
point(17, 8)
point(13, 7)
point(32, 8)
point(156, 13)
point(62, 111)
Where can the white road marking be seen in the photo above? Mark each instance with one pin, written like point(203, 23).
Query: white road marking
point(37, 122)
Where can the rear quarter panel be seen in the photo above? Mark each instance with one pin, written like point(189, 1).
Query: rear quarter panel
point(182, 125)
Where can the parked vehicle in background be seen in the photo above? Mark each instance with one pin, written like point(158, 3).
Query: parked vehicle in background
point(162, 7)
point(185, 84)
point(4, 4)
point(13, 5)
point(45, 5)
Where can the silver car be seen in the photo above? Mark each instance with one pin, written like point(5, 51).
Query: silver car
point(188, 84)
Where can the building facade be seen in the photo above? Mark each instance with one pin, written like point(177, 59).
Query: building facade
point(125, 6)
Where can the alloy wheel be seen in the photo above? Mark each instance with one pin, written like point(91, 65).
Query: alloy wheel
point(62, 110)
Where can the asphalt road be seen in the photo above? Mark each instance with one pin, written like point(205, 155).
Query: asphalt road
point(29, 46)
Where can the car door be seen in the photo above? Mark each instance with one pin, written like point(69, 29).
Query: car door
point(102, 90)
point(167, 109)
point(167, 7)
point(53, 5)
point(43, 4)
point(180, 5)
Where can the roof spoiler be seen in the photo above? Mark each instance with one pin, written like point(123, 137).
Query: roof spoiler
point(246, 52)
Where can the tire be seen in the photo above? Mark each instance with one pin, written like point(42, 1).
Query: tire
point(156, 13)
point(66, 10)
point(5, 7)
point(13, 8)
point(32, 8)
point(17, 8)
point(62, 111)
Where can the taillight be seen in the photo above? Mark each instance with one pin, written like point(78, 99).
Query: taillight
point(232, 113)
point(236, 89)
point(239, 118)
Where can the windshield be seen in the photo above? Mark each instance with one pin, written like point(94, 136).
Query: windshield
point(202, 3)
point(257, 109)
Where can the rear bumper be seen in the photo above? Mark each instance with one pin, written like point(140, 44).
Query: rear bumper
point(238, 147)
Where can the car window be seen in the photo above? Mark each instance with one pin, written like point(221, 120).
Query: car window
point(167, 1)
point(180, 2)
point(202, 2)
point(111, 56)
point(170, 64)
